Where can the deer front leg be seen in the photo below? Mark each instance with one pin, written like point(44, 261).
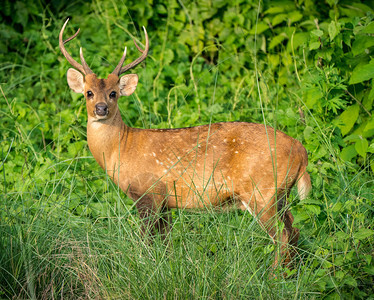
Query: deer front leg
point(151, 205)
point(154, 219)
point(148, 214)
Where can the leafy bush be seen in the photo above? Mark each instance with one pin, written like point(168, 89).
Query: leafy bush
point(302, 66)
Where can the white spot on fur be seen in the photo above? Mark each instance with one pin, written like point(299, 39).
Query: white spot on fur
point(154, 154)
point(236, 152)
point(233, 140)
point(225, 140)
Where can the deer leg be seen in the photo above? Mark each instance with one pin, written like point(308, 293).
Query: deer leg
point(290, 238)
point(155, 217)
point(164, 222)
point(148, 214)
point(265, 212)
point(151, 199)
point(290, 235)
point(264, 207)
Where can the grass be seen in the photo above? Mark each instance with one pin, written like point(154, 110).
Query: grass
point(67, 232)
point(206, 256)
point(49, 251)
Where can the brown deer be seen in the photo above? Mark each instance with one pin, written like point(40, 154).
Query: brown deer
point(246, 165)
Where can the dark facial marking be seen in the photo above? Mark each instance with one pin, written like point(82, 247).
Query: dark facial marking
point(101, 84)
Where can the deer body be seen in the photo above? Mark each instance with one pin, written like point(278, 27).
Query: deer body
point(198, 166)
point(240, 164)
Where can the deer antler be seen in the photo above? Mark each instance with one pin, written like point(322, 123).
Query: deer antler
point(119, 69)
point(84, 68)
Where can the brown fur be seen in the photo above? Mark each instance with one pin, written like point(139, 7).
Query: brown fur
point(243, 164)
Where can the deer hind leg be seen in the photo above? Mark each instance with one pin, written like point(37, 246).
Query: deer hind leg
point(290, 239)
point(264, 207)
point(290, 235)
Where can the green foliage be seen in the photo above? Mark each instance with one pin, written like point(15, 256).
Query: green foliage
point(304, 67)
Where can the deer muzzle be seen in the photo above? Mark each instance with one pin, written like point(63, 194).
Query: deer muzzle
point(101, 110)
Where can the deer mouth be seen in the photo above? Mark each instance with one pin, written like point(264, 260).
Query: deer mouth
point(101, 115)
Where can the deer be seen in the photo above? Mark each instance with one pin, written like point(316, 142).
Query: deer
point(249, 166)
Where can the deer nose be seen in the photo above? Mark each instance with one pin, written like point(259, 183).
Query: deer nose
point(101, 109)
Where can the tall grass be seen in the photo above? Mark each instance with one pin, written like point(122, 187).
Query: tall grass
point(67, 232)
point(48, 250)
point(206, 255)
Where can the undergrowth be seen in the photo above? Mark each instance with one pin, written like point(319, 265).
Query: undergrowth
point(305, 68)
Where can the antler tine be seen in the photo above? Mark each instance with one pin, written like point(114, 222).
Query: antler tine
point(85, 65)
point(117, 70)
point(139, 59)
point(84, 69)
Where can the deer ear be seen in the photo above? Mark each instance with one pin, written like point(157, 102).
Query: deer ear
point(75, 81)
point(127, 84)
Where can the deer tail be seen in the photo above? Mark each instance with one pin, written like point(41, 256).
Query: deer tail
point(304, 184)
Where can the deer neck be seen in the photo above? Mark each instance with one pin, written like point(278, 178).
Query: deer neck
point(105, 139)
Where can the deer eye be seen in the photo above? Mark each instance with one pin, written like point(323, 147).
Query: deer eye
point(113, 94)
point(89, 94)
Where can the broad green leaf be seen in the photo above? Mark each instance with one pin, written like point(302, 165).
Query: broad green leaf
point(278, 19)
point(168, 56)
point(308, 133)
point(361, 147)
point(314, 45)
point(276, 41)
point(369, 28)
point(334, 29)
point(371, 148)
point(337, 207)
point(362, 7)
point(294, 17)
point(363, 233)
point(348, 118)
point(297, 40)
point(275, 10)
point(361, 43)
point(348, 153)
point(369, 128)
point(369, 98)
point(258, 28)
point(317, 32)
point(300, 216)
point(362, 73)
point(312, 96)
point(315, 209)
point(349, 280)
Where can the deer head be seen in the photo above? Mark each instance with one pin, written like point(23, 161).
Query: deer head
point(101, 94)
